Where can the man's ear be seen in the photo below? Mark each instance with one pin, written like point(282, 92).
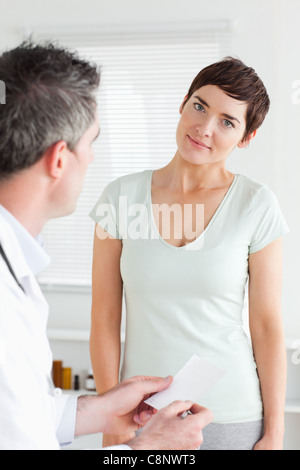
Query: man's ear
point(56, 158)
point(245, 142)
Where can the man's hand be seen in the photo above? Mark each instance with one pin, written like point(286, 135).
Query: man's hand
point(167, 430)
point(121, 410)
point(125, 410)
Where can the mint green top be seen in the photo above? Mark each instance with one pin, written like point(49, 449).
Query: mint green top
point(189, 300)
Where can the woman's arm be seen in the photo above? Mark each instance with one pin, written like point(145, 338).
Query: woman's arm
point(107, 291)
point(265, 279)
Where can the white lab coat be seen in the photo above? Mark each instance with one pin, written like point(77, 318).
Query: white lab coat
point(30, 412)
point(32, 415)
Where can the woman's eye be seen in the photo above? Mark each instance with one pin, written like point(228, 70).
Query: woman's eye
point(199, 107)
point(227, 123)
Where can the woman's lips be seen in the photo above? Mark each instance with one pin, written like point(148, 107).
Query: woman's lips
point(198, 144)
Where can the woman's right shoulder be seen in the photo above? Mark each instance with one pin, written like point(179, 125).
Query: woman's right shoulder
point(124, 184)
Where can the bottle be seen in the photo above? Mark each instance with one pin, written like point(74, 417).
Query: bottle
point(67, 378)
point(76, 382)
point(89, 382)
point(57, 373)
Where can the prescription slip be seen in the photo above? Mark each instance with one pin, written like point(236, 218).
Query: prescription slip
point(195, 379)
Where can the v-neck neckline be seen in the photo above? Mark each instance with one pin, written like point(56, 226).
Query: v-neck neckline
point(200, 237)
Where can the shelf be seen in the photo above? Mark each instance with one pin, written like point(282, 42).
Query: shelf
point(84, 335)
point(72, 335)
point(292, 343)
point(68, 335)
point(292, 406)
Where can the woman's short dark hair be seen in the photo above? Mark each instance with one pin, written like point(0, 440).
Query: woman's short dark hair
point(239, 82)
point(50, 96)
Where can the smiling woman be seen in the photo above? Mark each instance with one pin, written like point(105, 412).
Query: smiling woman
point(239, 82)
point(186, 296)
point(213, 124)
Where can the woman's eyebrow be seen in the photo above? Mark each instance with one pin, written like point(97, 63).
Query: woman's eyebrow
point(202, 101)
point(231, 117)
point(227, 116)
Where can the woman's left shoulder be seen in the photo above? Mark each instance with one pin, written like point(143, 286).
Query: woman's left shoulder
point(249, 184)
point(255, 191)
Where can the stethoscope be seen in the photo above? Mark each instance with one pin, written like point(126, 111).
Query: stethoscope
point(2, 253)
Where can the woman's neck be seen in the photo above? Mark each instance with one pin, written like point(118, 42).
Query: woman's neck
point(182, 176)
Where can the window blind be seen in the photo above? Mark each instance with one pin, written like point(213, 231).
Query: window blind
point(144, 78)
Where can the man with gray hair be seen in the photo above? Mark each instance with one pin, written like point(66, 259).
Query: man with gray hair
point(47, 125)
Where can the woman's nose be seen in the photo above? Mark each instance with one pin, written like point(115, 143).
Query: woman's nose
point(205, 128)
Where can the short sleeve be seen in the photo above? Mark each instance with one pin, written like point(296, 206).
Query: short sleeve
point(106, 210)
point(267, 222)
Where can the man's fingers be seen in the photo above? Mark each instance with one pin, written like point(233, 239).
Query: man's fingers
point(149, 385)
point(142, 418)
point(204, 414)
point(177, 407)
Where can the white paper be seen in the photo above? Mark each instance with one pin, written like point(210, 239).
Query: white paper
point(195, 379)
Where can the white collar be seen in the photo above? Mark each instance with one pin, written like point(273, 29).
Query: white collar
point(35, 256)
